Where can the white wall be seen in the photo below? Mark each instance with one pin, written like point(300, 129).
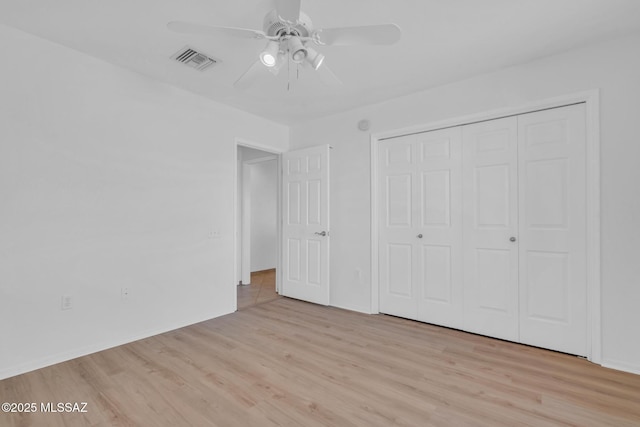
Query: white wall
point(109, 180)
point(613, 67)
point(264, 208)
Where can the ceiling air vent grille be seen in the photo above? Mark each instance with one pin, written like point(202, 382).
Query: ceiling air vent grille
point(194, 59)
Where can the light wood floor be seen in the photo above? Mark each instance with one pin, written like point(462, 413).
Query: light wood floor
point(262, 289)
point(291, 363)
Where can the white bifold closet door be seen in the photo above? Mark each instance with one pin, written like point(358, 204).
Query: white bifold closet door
point(483, 228)
point(553, 246)
point(490, 223)
point(421, 230)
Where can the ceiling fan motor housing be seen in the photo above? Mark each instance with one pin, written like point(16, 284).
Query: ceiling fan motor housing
point(276, 27)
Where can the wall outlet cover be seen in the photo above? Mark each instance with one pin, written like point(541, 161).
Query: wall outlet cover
point(66, 302)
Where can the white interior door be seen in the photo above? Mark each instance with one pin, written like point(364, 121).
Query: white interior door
point(305, 228)
point(553, 288)
point(490, 226)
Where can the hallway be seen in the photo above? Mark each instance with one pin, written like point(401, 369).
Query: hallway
point(262, 289)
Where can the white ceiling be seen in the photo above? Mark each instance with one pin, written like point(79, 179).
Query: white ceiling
point(443, 41)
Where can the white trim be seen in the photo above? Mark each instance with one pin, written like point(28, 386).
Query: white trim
point(561, 101)
point(279, 216)
point(375, 280)
point(621, 366)
point(592, 101)
point(260, 160)
point(594, 304)
point(66, 355)
point(257, 146)
point(363, 310)
point(245, 225)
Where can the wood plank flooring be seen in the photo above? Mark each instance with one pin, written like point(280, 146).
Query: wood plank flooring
point(290, 363)
point(262, 289)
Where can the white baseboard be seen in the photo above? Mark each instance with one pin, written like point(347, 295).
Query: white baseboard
point(32, 365)
point(356, 309)
point(621, 366)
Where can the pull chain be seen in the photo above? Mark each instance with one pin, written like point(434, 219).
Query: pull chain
point(288, 71)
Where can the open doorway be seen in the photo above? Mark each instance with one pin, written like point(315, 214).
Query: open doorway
point(258, 229)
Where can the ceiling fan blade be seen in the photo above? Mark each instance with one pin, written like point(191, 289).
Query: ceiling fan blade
point(365, 35)
point(246, 79)
point(288, 10)
point(327, 76)
point(211, 30)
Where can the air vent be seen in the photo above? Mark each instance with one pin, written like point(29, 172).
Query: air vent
point(194, 59)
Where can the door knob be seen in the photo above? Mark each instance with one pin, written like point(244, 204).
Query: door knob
point(512, 239)
point(321, 233)
point(419, 236)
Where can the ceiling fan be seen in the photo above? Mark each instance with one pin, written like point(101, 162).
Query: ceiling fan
point(289, 34)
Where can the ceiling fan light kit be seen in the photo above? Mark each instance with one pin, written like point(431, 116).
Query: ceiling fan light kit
point(297, 50)
point(269, 55)
point(289, 31)
point(315, 59)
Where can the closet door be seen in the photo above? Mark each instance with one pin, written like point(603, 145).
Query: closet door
point(483, 228)
point(398, 243)
point(553, 288)
point(490, 225)
point(421, 227)
point(439, 181)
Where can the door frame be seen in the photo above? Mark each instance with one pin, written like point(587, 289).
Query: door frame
point(239, 214)
point(591, 99)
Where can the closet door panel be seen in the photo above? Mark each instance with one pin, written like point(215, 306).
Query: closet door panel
point(490, 221)
point(420, 254)
point(438, 171)
point(553, 288)
point(398, 251)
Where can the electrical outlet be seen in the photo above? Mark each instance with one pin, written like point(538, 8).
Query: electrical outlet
point(214, 234)
point(66, 302)
point(124, 293)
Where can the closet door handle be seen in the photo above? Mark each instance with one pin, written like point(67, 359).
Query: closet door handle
point(419, 236)
point(512, 239)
